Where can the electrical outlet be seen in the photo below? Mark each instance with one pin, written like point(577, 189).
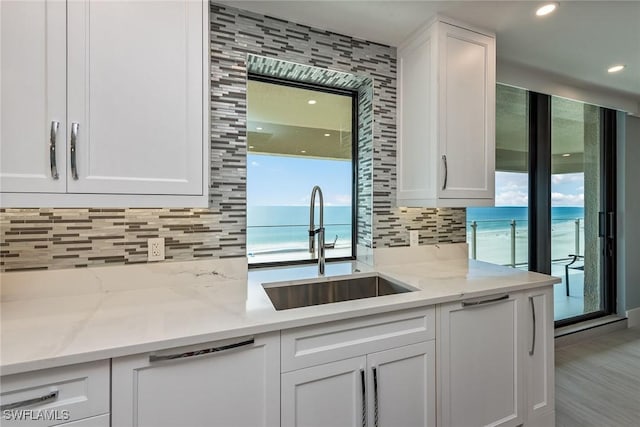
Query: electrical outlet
point(414, 238)
point(155, 249)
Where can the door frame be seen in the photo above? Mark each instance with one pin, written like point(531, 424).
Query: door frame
point(540, 121)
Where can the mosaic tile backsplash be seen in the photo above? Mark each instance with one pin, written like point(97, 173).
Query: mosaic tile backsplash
point(66, 238)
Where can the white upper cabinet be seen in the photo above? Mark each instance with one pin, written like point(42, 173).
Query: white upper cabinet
point(126, 81)
point(33, 96)
point(446, 118)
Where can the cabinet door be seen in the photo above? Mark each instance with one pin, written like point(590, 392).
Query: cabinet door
point(539, 356)
point(325, 395)
point(403, 386)
point(480, 363)
point(417, 121)
point(32, 95)
point(467, 113)
point(136, 95)
point(236, 386)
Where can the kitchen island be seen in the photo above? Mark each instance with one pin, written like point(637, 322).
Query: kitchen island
point(58, 319)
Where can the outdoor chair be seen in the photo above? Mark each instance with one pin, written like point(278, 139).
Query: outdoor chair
point(574, 266)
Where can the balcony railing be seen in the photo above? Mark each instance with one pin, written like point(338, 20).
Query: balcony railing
point(505, 241)
point(269, 243)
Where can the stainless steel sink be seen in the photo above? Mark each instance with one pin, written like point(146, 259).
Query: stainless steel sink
point(325, 291)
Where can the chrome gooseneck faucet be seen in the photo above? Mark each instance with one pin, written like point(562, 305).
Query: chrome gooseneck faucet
point(319, 231)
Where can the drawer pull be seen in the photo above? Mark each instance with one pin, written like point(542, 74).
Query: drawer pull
point(154, 358)
point(375, 397)
point(42, 399)
point(364, 398)
point(533, 325)
point(74, 141)
point(484, 301)
point(52, 149)
point(446, 171)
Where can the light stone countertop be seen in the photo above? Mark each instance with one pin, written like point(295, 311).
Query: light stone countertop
point(61, 317)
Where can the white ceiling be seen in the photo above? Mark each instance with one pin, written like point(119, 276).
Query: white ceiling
point(281, 121)
point(287, 105)
point(580, 40)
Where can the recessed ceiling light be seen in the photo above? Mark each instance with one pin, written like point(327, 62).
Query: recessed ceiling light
point(327, 134)
point(311, 101)
point(258, 128)
point(566, 155)
point(616, 68)
point(303, 151)
point(546, 9)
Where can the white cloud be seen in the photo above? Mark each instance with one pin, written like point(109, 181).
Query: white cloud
point(567, 177)
point(512, 198)
point(561, 199)
point(342, 199)
point(254, 163)
point(512, 189)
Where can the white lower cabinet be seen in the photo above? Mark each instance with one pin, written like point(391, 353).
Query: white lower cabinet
point(390, 382)
point(489, 363)
point(404, 381)
point(331, 394)
point(74, 395)
point(540, 358)
point(480, 363)
point(226, 383)
point(390, 388)
point(496, 361)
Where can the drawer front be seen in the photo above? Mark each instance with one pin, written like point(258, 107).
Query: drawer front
point(234, 382)
point(99, 421)
point(54, 396)
point(314, 345)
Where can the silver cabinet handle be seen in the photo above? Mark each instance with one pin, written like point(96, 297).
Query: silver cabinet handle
point(484, 301)
point(74, 138)
point(52, 149)
point(446, 171)
point(375, 397)
point(154, 358)
point(28, 402)
point(364, 399)
point(533, 315)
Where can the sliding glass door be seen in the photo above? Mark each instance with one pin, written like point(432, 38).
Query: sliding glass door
point(555, 193)
point(575, 202)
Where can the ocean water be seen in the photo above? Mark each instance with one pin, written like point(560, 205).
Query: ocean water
point(498, 215)
point(272, 229)
point(277, 229)
point(494, 233)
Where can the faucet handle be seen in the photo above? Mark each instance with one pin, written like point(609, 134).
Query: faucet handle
point(312, 242)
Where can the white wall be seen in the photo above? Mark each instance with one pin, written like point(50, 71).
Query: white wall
point(552, 84)
point(629, 218)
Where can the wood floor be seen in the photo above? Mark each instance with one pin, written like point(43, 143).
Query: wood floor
point(598, 381)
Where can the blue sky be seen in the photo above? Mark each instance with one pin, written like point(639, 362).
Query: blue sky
point(287, 181)
point(566, 189)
